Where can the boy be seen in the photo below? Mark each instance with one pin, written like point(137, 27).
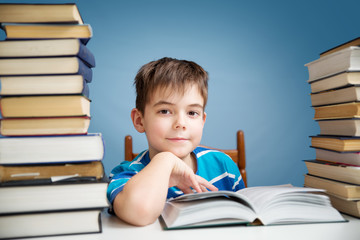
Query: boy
point(170, 104)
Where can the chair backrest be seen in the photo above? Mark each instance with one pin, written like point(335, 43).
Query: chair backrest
point(237, 155)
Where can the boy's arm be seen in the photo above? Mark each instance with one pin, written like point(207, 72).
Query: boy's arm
point(144, 195)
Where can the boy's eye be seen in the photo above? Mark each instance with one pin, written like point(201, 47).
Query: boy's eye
point(193, 113)
point(164, 111)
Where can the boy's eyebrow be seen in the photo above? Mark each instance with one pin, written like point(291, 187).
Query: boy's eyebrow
point(162, 102)
point(196, 105)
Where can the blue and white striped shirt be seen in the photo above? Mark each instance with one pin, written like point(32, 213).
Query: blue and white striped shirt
point(216, 167)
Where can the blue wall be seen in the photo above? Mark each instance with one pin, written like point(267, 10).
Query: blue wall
point(255, 53)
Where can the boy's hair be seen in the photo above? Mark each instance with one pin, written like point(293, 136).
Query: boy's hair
point(169, 73)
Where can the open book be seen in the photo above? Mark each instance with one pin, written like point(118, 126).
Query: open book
point(269, 205)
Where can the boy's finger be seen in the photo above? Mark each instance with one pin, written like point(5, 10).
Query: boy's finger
point(195, 184)
point(204, 189)
point(206, 184)
point(186, 190)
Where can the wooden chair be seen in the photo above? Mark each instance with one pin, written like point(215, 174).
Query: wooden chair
point(237, 155)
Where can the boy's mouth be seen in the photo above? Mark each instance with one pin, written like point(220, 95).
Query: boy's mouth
point(177, 139)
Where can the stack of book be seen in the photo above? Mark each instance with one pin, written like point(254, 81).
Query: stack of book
point(335, 96)
point(52, 179)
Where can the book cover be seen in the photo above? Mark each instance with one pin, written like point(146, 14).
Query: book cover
point(352, 42)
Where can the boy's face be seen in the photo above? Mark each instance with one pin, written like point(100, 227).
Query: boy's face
point(174, 122)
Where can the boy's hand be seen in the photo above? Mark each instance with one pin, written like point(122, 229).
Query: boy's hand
point(183, 177)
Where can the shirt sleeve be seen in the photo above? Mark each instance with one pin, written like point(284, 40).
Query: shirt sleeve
point(121, 174)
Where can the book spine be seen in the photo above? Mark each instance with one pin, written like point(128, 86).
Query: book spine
point(86, 90)
point(86, 55)
point(85, 71)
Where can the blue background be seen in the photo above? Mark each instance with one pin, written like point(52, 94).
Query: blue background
point(255, 53)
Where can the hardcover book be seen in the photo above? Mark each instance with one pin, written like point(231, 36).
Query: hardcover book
point(353, 42)
point(69, 193)
point(57, 223)
point(335, 171)
point(40, 13)
point(47, 48)
point(48, 170)
point(15, 31)
point(347, 59)
point(51, 149)
point(270, 205)
point(43, 126)
point(44, 85)
point(342, 95)
point(340, 127)
point(343, 190)
point(44, 106)
point(45, 66)
point(346, 206)
point(338, 111)
point(341, 80)
point(351, 158)
point(336, 143)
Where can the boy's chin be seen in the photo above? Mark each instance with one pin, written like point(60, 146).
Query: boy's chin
point(181, 154)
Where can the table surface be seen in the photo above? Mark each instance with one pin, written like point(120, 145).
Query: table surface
point(114, 228)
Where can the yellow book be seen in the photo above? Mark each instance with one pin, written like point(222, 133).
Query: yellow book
point(336, 143)
point(40, 13)
point(44, 126)
point(346, 110)
point(45, 106)
point(47, 31)
point(340, 189)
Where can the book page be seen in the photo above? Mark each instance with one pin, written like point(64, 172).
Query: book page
point(263, 197)
point(206, 195)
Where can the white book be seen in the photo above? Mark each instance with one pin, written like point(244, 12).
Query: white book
point(51, 149)
point(344, 60)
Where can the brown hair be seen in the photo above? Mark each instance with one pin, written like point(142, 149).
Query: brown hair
point(169, 73)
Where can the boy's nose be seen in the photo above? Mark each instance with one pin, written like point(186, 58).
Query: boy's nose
point(180, 122)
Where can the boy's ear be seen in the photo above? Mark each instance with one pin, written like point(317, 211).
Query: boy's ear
point(137, 119)
point(204, 118)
